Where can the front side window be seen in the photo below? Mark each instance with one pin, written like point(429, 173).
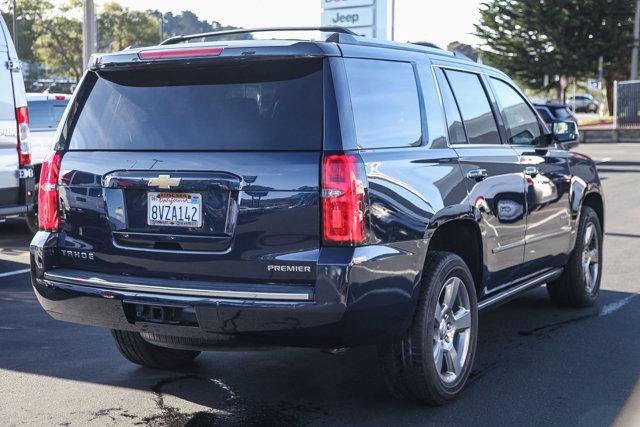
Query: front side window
point(474, 107)
point(521, 122)
point(385, 103)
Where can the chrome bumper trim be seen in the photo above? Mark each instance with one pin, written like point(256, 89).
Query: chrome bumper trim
point(97, 282)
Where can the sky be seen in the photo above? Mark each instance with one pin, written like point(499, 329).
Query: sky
point(437, 21)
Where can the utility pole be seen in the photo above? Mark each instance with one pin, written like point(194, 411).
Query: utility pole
point(15, 24)
point(88, 32)
point(393, 20)
point(636, 36)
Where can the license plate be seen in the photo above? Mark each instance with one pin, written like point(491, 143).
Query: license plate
point(174, 209)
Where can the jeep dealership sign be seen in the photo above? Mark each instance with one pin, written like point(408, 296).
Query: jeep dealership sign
point(364, 17)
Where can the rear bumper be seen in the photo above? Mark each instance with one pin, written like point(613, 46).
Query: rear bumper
point(361, 296)
point(8, 211)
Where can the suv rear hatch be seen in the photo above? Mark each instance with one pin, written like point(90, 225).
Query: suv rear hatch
point(201, 171)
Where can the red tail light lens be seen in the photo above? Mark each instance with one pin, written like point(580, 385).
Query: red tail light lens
point(48, 209)
point(24, 147)
point(343, 203)
point(180, 53)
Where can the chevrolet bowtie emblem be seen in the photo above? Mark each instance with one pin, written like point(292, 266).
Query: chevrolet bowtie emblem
point(164, 181)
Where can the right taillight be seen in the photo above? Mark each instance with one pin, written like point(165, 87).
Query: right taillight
point(343, 200)
point(48, 208)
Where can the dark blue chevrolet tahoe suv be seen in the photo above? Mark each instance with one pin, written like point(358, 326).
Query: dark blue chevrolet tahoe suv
point(327, 194)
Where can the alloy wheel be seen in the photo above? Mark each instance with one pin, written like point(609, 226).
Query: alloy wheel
point(452, 330)
point(590, 257)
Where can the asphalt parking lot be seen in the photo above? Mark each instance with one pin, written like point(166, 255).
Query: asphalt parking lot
point(537, 364)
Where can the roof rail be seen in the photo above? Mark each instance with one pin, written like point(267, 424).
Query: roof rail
point(328, 29)
point(428, 44)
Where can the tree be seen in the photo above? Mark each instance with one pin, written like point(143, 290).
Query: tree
point(119, 27)
point(188, 23)
point(465, 49)
point(25, 33)
point(529, 39)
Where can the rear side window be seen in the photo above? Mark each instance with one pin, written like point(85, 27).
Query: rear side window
point(474, 106)
point(244, 105)
point(385, 103)
point(454, 121)
point(522, 123)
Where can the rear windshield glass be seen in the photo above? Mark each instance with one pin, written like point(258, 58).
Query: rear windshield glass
point(256, 105)
point(45, 114)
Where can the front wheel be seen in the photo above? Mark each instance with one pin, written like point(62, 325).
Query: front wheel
point(579, 284)
point(432, 362)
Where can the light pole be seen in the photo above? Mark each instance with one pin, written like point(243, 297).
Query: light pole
point(636, 36)
point(15, 25)
point(88, 32)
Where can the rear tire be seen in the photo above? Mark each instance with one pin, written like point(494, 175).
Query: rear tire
point(135, 349)
point(422, 367)
point(32, 220)
point(32, 217)
point(579, 284)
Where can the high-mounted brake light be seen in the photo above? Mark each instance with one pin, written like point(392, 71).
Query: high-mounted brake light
point(343, 200)
point(48, 195)
point(60, 97)
point(180, 53)
point(24, 147)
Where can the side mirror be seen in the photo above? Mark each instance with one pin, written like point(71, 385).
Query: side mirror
point(564, 132)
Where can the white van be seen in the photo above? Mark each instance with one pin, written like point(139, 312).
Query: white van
point(16, 171)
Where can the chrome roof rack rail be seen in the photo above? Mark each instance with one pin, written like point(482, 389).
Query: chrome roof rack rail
point(328, 29)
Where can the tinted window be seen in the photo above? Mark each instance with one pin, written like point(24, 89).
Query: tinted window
point(561, 113)
point(384, 99)
point(475, 108)
point(454, 121)
point(39, 114)
point(544, 113)
point(275, 105)
point(45, 114)
point(521, 122)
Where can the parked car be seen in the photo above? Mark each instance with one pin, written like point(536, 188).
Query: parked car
point(583, 103)
point(404, 192)
point(555, 111)
point(16, 173)
point(45, 112)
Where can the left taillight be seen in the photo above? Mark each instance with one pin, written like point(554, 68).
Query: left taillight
point(343, 200)
point(48, 195)
point(24, 146)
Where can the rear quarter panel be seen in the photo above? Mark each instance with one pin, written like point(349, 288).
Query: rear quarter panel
point(584, 181)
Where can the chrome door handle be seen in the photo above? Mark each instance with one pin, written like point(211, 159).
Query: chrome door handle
point(477, 174)
point(531, 171)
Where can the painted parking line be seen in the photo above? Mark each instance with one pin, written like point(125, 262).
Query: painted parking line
point(615, 306)
point(15, 273)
